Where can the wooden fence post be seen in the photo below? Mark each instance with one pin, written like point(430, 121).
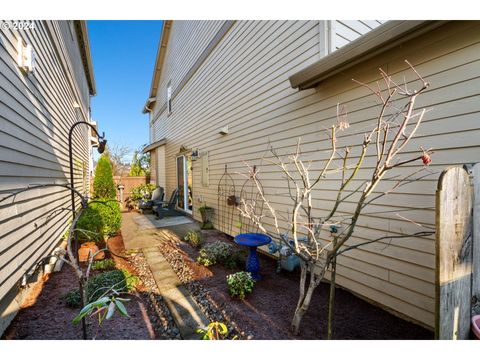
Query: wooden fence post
point(476, 232)
point(453, 254)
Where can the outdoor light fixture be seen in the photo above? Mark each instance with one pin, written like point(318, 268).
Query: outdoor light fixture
point(25, 57)
point(102, 142)
point(194, 155)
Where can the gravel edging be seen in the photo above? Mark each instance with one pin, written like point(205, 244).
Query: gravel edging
point(199, 293)
point(159, 313)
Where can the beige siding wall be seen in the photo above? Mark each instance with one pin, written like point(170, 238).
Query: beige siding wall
point(153, 167)
point(36, 112)
point(160, 166)
point(244, 84)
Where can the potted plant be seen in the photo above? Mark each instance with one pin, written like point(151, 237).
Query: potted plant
point(88, 249)
point(206, 212)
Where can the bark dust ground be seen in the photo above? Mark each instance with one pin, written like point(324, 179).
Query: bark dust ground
point(267, 312)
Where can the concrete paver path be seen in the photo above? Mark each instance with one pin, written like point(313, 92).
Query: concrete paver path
point(186, 313)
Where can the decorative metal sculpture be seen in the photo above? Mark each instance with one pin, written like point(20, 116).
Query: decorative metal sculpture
point(227, 203)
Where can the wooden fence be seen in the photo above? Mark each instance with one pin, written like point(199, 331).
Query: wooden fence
point(457, 251)
point(129, 182)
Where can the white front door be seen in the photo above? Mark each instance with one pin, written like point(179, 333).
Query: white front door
point(185, 183)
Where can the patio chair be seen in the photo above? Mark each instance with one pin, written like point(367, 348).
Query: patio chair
point(165, 208)
point(157, 199)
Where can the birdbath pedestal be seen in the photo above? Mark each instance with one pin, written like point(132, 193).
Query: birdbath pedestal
point(253, 240)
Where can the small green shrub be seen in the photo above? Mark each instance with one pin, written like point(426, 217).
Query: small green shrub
point(120, 280)
point(235, 260)
point(194, 238)
point(103, 184)
point(219, 252)
point(72, 299)
point(100, 220)
point(240, 284)
point(106, 264)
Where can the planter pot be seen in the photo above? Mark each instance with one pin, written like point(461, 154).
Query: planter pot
point(86, 249)
point(476, 326)
point(207, 214)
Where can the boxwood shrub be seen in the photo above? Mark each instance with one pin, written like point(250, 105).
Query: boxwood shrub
point(100, 220)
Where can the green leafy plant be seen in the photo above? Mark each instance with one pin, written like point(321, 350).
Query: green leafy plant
point(100, 220)
point(214, 331)
point(103, 184)
point(240, 284)
point(106, 264)
point(194, 238)
point(104, 307)
point(142, 191)
point(219, 252)
point(117, 280)
point(72, 298)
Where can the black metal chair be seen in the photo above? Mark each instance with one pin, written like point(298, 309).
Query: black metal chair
point(157, 199)
point(164, 208)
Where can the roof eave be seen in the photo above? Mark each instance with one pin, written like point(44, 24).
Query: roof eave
point(162, 48)
point(84, 44)
point(379, 40)
point(154, 145)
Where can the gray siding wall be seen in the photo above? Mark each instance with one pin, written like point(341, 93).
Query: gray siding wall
point(36, 112)
point(244, 84)
point(191, 38)
point(345, 31)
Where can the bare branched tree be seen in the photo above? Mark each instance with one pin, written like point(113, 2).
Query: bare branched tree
point(118, 155)
point(317, 241)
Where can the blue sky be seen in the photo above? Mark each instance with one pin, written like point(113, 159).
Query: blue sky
point(123, 55)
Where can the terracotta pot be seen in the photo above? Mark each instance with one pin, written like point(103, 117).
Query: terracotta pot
point(86, 249)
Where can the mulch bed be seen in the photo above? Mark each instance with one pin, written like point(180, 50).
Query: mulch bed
point(267, 312)
point(44, 315)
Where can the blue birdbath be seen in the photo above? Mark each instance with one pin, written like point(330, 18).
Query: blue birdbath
point(253, 240)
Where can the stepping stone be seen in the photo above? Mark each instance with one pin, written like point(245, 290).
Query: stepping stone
point(185, 311)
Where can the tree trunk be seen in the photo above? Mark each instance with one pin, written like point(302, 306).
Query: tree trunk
point(303, 279)
point(331, 299)
point(83, 294)
point(304, 304)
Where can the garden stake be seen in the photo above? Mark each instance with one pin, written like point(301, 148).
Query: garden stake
point(331, 298)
